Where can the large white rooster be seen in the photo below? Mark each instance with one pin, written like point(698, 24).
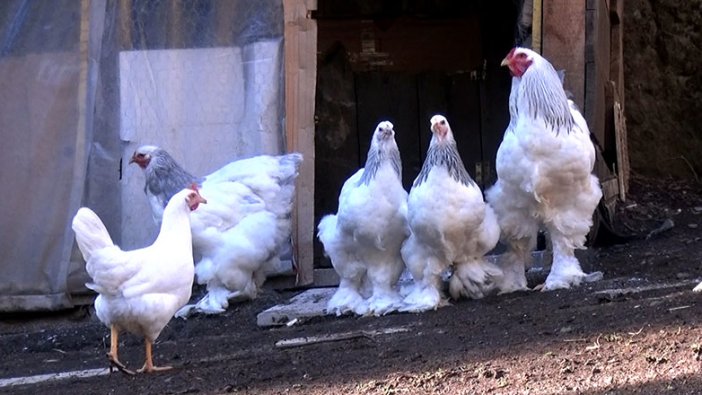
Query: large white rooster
point(363, 239)
point(140, 290)
point(544, 167)
point(451, 225)
point(239, 235)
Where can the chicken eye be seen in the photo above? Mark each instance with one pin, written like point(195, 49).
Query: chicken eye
point(443, 122)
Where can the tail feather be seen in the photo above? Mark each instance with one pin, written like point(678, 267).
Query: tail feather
point(91, 234)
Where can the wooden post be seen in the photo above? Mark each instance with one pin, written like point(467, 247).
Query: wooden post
point(536, 26)
point(300, 81)
point(563, 42)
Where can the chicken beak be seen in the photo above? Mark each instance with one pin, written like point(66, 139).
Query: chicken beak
point(505, 62)
point(132, 160)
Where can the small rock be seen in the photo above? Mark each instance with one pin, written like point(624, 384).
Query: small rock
point(692, 226)
point(697, 210)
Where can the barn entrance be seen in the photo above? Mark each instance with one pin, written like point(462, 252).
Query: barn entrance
point(404, 62)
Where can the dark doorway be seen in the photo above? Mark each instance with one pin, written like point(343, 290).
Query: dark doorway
point(404, 62)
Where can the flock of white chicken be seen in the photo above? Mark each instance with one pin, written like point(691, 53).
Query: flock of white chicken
point(227, 230)
point(544, 168)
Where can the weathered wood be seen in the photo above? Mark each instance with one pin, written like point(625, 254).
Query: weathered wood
point(332, 337)
point(563, 40)
point(616, 66)
point(537, 26)
point(624, 169)
point(300, 82)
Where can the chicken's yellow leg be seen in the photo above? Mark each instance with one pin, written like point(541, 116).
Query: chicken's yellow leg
point(149, 362)
point(112, 355)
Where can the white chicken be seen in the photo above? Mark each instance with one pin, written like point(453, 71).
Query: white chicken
point(544, 167)
point(451, 226)
point(140, 290)
point(363, 239)
point(239, 236)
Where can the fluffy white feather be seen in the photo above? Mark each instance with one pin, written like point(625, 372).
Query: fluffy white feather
point(451, 225)
point(239, 236)
point(363, 239)
point(140, 290)
point(544, 167)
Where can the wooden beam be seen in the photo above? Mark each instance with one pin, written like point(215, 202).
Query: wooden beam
point(563, 42)
point(616, 68)
point(536, 26)
point(300, 81)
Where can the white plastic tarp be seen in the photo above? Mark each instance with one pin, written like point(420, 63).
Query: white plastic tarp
point(83, 83)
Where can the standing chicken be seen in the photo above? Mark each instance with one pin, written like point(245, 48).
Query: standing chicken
point(363, 239)
point(451, 226)
point(240, 234)
point(140, 290)
point(544, 167)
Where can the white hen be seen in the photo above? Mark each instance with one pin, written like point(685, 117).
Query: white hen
point(239, 236)
point(140, 290)
point(363, 239)
point(451, 226)
point(544, 167)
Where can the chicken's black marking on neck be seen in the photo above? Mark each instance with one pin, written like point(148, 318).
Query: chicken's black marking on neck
point(165, 178)
point(545, 96)
point(444, 154)
point(376, 157)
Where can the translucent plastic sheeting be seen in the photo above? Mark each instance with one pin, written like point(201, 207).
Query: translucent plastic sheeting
point(83, 83)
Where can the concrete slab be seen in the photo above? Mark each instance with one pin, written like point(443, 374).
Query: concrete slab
point(308, 304)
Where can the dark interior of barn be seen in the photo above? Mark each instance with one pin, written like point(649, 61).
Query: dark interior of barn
point(404, 61)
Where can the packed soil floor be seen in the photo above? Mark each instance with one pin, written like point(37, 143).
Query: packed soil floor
point(635, 331)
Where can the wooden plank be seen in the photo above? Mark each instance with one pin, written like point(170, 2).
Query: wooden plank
point(537, 26)
point(564, 42)
point(300, 81)
point(624, 169)
point(616, 65)
point(597, 50)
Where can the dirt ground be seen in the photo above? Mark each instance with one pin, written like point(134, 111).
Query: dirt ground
point(636, 331)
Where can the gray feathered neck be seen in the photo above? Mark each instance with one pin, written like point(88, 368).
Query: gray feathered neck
point(164, 177)
point(376, 157)
point(542, 91)
point(444, 154)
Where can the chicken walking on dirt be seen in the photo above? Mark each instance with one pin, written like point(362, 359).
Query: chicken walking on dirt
point(239, 236)
point(544, 168)
point(451, 225)
point(363, 239)
point(140, 290)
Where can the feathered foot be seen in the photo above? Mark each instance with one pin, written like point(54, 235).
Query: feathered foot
point(112, 355)
point(474, 279)
point(423, 297)
point(566, 273)
point(347, 300)
point(384, 302)
point(513, 275)
point(149, 363)
point(216, 301)
point(698, 288)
